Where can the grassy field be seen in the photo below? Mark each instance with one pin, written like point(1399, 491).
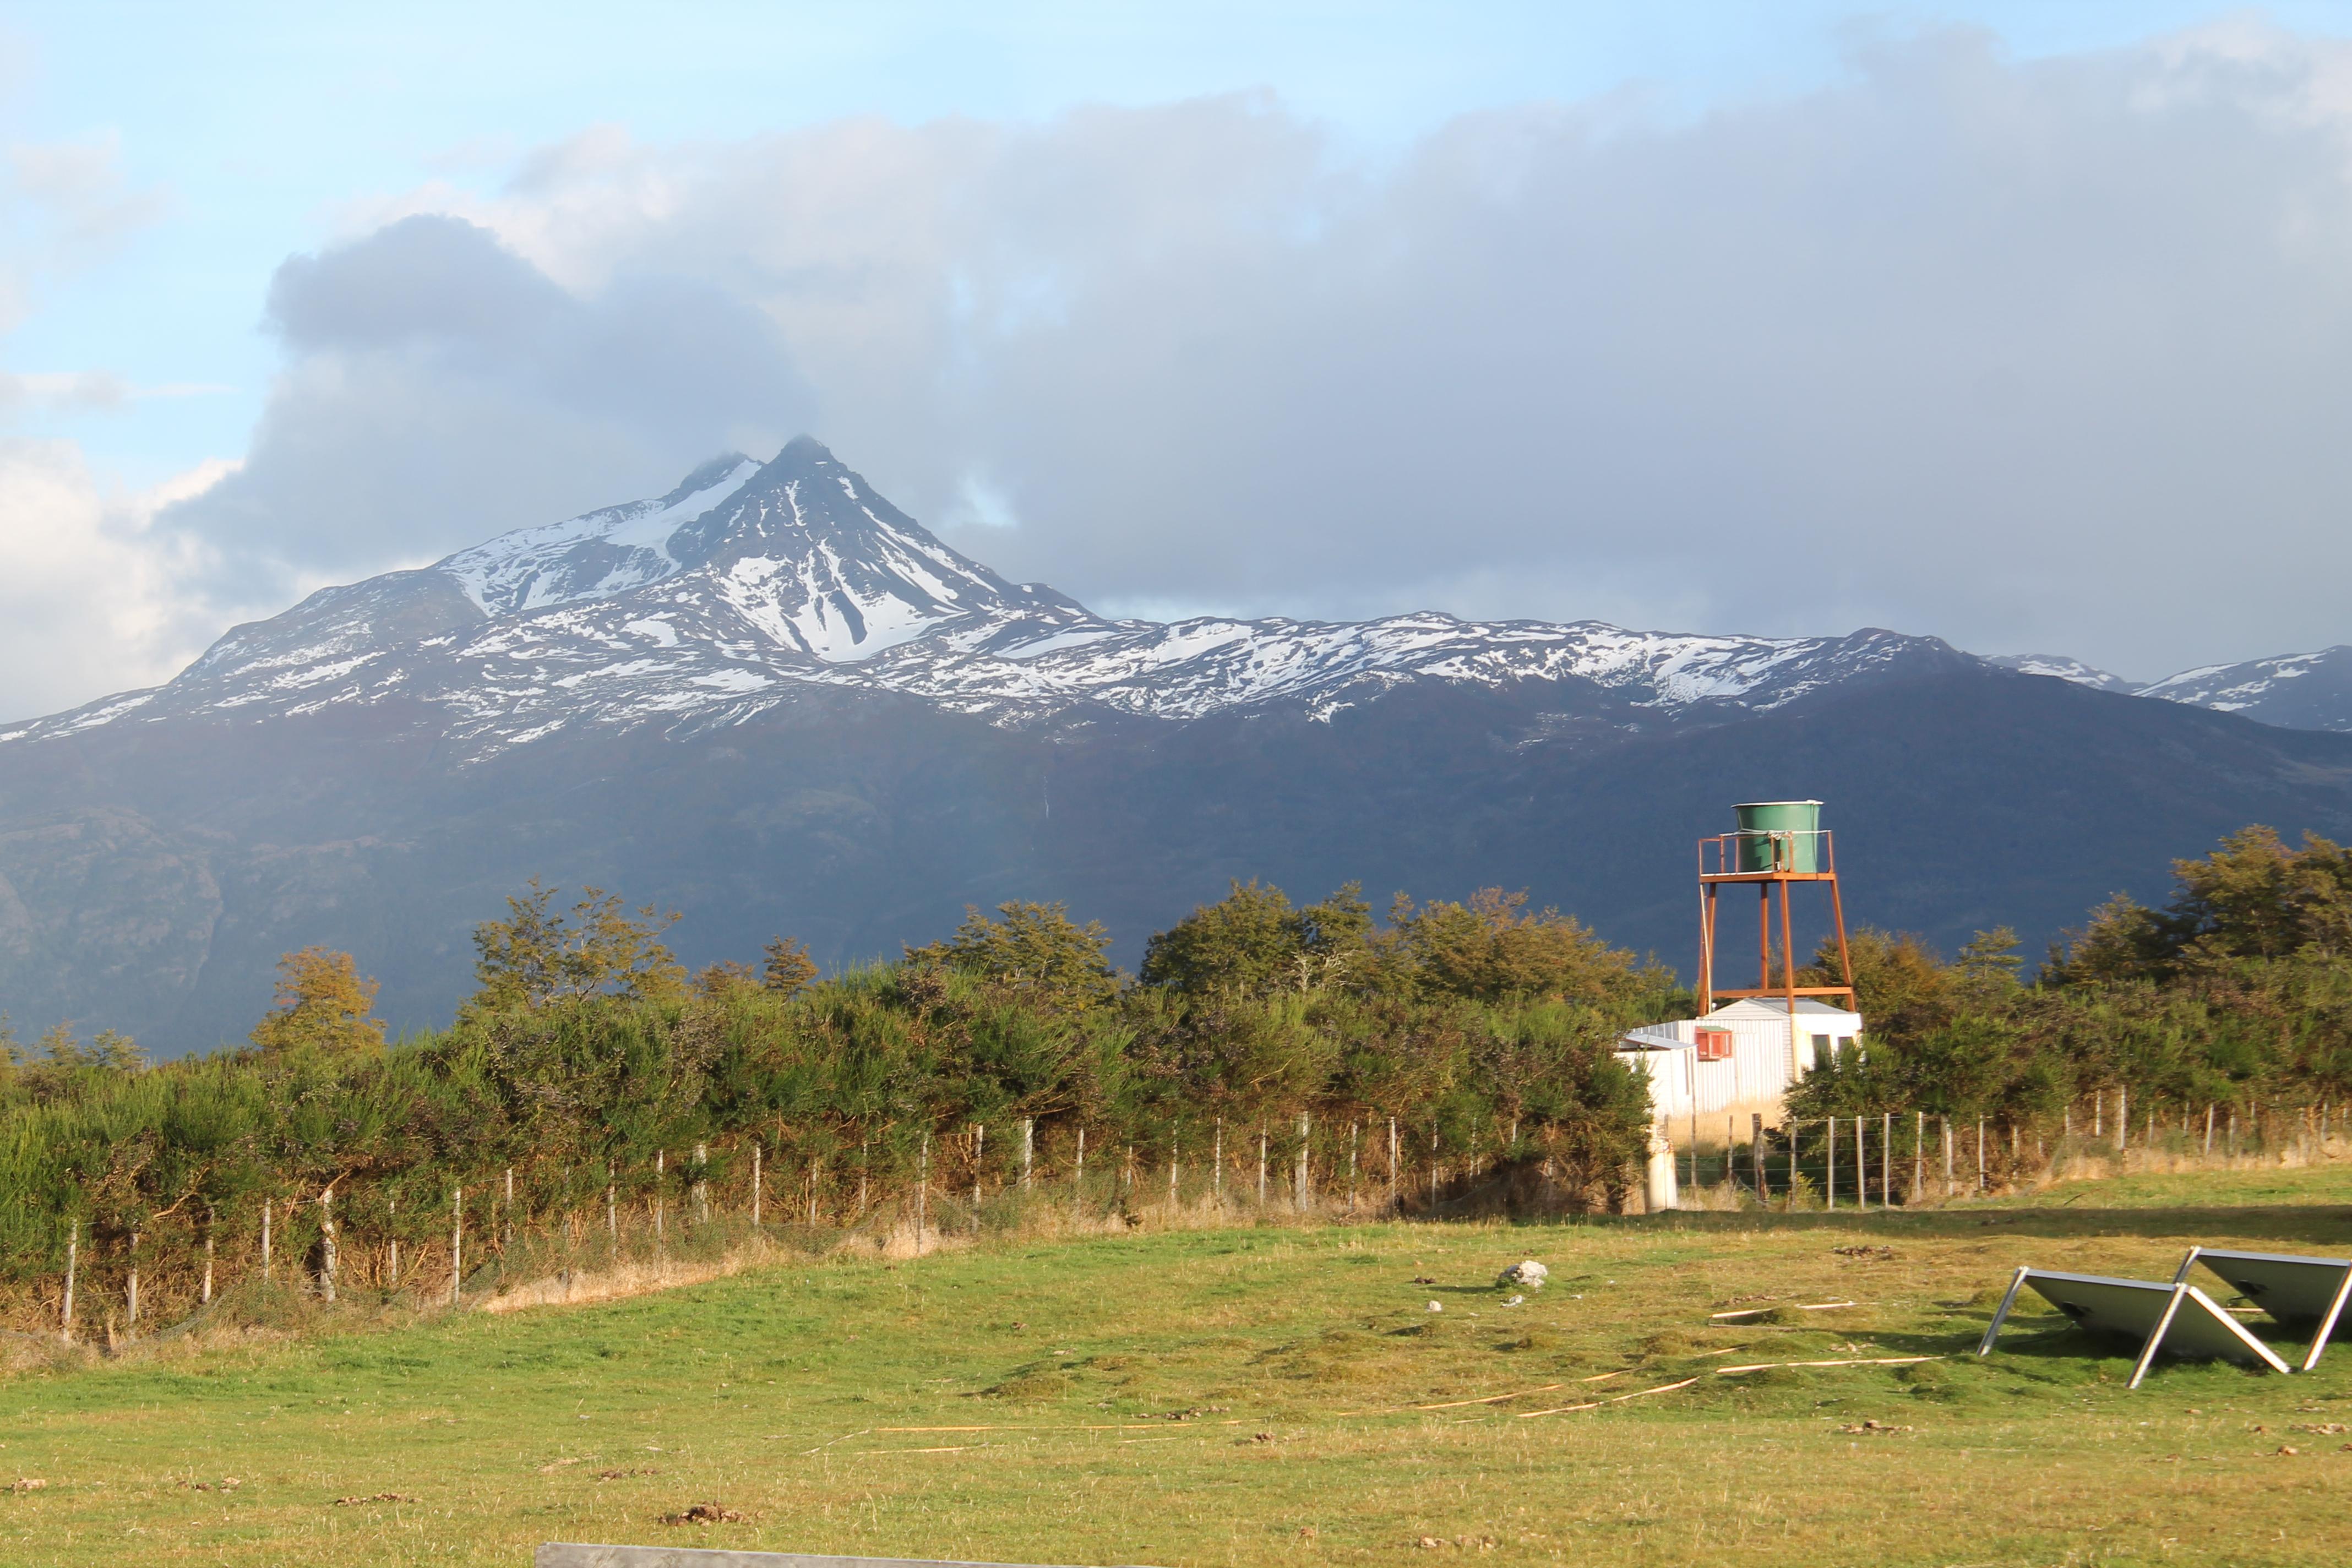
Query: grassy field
point(1252, 1396)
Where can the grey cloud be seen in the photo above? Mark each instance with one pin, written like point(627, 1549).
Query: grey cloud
point(440, 389)
point(2047, 356)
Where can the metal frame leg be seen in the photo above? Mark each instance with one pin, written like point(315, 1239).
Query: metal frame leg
point(2156, 1336)
point(1984, 1346)
point(2327, 1323)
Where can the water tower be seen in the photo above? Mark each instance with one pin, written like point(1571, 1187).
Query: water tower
point(1779, 844)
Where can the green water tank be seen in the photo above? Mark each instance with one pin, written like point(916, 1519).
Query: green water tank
point(1760, 819)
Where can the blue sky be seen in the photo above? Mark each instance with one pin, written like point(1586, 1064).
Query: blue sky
point(258, 126)
point(2017, 323)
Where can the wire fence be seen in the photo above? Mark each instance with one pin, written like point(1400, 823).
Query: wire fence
point(1897, 1158)
point(354, 1241)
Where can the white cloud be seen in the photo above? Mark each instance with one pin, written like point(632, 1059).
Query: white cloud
point(93, 597)
point(65, 207)
point(2052, 355)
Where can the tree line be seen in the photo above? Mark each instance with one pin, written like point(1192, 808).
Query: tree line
point(2230, 1006)
point(594, 1092)
point(593, 1089)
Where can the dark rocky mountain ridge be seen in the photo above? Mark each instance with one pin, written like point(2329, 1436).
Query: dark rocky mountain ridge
point(773, 701)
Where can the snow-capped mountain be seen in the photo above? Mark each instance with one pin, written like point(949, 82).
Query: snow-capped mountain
point(772, 700)
point(2300, 691)
point(2294, 691)
point(751, 584)
point(2063, 669)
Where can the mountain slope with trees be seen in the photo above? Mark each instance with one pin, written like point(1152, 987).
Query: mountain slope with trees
point(771, 701)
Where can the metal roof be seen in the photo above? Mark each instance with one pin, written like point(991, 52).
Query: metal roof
point(1778, 1007)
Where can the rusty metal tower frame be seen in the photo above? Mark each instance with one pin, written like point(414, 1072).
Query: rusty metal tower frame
point(1781, 856)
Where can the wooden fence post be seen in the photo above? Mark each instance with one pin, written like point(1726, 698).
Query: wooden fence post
point(1261, 1167)
point(1980, 1164)
point(755, 1183)
point(923, 1180)
point(1919, 1155)
point(1355, 1130)
point(327, 1260)
point(611, 1206)
point(73, 1260)
point(207, 1300)
point(1393, 1163)
point(1175, 1162)
point(267, 1204)
point(978, 1150)
point(1302, 1181)
point(1755, 1157)
point(456, 1243)
point(130, 1294)
point(1885, 1158)
point(1944, 1141)
point(1078, 1181)
point(1861, 1165)
point(1828, 1173)
point(1217, 1161)
point(702, 1184)
point(1028, 1150)
point(508, 1232)
point(391, 1218)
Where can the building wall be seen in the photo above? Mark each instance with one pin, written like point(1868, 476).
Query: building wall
point(1753, 1081)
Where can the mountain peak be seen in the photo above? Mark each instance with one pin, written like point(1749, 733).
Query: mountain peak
point(804, 449)
point(802, 514)
point(594, 555)
point(749, 583)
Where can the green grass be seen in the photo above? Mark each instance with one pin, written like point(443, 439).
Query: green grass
point(1241, 1396)
point(2190, 1190)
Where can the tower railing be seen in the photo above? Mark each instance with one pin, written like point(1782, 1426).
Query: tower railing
point(1769, 858)
point(1784, 854)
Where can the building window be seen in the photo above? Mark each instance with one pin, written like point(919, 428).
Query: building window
point(1713, 1044)
point(1821, 1057)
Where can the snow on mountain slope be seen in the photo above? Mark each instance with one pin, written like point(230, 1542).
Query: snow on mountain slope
point(1191, 668)
point(595, 556)
point(2063, 669)
point(749, 584)
point(2300, 691)
point(2294, 691)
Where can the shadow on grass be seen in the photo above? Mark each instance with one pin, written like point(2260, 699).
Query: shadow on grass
point(2328, 1225)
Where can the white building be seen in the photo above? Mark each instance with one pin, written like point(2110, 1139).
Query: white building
point(1738, 1060)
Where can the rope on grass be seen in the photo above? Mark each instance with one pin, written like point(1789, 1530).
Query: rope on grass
point(1863, 1361)
point(1759, 1311)
point(1051, 1427)
point(1613, 1399)
point(1489, 1399)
